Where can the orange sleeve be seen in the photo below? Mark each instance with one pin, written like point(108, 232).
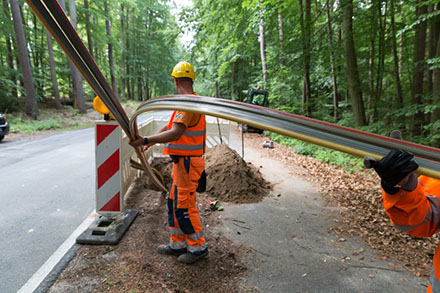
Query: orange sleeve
point(187, 118)
point(413, 212)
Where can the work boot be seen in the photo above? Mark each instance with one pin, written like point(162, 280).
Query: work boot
point(189, 258)
point(166, 249)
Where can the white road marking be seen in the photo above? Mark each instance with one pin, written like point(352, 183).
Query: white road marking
point(53, 260)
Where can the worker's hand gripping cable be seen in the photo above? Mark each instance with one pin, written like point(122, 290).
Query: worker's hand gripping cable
point(141, 155)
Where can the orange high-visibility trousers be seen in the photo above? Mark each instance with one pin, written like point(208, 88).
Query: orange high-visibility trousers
point(183, 215)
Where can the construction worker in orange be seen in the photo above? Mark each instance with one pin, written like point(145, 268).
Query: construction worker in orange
point(411, 202)
point(184, 139)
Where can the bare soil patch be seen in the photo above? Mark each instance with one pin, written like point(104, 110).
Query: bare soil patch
point(135, 265)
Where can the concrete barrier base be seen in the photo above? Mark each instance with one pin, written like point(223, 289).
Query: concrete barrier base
point(105, 231)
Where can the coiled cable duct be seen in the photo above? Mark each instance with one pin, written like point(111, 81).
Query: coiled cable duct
point(351, 141)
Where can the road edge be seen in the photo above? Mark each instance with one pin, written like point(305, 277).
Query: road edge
point(48, 273)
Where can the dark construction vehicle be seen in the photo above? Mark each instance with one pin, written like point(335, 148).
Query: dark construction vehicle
point(4, 127)
point(255, 97)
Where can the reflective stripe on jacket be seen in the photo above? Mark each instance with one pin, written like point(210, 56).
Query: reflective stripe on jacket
point(417, 213)
point(192, 141)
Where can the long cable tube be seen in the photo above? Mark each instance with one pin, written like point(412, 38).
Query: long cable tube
point(282, 123)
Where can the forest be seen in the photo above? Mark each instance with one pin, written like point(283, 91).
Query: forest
point(367, 64)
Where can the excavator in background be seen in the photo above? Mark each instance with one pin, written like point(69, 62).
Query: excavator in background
point(257, 97)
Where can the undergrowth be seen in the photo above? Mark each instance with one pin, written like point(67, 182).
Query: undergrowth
point(29, 126)
point(348, 162)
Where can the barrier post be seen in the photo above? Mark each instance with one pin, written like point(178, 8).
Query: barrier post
point(109, 200)
point(114, 220)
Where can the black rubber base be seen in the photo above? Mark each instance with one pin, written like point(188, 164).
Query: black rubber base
point(106, 231)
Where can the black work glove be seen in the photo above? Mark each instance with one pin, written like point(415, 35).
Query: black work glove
point(392, 168)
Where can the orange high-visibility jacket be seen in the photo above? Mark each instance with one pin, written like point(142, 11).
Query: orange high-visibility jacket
point(417, 213)
point(192, 141)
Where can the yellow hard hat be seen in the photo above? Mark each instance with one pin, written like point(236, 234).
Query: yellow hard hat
point(183, 69)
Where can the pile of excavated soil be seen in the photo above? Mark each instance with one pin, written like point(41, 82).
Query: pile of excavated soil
point(231, 179)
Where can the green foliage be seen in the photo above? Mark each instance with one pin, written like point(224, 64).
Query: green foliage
point(8, 102)
point(350, 163)
point(225, 53)
point(19, 124)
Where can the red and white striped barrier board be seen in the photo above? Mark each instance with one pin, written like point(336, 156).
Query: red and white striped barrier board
point(109, 200)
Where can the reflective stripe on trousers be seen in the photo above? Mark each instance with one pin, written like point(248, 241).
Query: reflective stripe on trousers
point(434, 283)
point(183, 216)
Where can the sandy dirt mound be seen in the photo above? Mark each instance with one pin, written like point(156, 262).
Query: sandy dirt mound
point(231, 179)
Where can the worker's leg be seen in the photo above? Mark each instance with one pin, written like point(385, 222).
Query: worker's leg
point(177, 237)
point(186, 175)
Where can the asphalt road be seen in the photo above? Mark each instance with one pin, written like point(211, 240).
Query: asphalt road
point(46, 190)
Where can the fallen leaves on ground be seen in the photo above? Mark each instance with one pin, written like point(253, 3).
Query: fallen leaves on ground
point(361, 213)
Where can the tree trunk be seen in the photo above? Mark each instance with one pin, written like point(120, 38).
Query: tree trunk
point(281, 37)
point(305, 32)
point(56, 92)
point(372, 54)
point(127, 55)
point(139, 88)
point(76, 76)
point(418, 75)
point(263, 52)
point(122, 52)
point(110, 49)
point(133, 54)
point(88, 30)
point(34, 56)
point(332, 63)
point(31, 99)
point(402, 12)
point(10, 52)
point(354, 84)
point(381, 60)
point(147, 89)
point(435, 117)
point(399, 94)
point(233, 69)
